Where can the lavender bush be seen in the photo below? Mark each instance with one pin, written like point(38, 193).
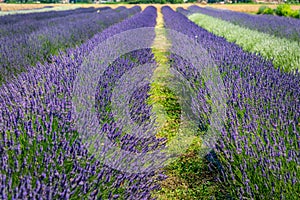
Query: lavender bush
point(259, 145)
point(42, 155)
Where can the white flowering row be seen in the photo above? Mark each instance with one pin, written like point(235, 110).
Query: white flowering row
point(284, 53)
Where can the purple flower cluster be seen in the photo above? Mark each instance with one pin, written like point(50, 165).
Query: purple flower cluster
point(259, 143)
point(285, 27)
point(25, 43)
point(139, 110)
point(42, 155)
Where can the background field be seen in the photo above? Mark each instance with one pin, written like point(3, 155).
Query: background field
point(41, 149)
point(234, 7)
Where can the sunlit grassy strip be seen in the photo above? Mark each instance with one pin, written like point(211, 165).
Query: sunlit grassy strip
point(283, 52)
point(161, 96)
point(188, 176)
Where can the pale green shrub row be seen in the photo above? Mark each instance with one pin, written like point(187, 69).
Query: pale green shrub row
point(284, 53)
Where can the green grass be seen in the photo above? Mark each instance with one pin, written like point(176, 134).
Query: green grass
point(189, 176)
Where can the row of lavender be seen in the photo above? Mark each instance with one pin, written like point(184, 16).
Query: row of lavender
point(28, 25)
point(274, 25)
point(283, 53)
point(259, 144)
point(42, 156)
point(12, 19)
point(36, 40)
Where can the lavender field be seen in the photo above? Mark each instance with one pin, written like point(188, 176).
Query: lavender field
point(152, 103)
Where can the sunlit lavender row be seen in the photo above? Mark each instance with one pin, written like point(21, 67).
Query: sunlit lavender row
point(283, 53)
point(285, 27)
point(41, 153)
point(12, 19)
point(36, 40)
point(259, 145)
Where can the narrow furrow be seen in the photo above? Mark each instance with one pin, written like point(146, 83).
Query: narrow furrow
point(188, 174)
point(160, 93)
